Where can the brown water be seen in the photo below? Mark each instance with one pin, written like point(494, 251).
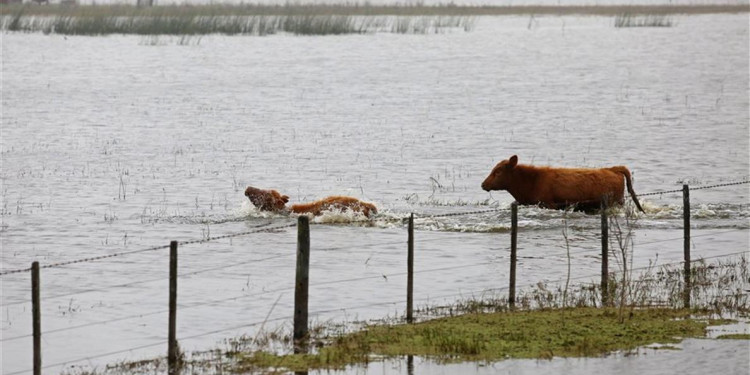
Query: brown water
point(120, 143)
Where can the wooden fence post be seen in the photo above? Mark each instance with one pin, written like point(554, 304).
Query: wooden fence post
point(172, 347)
point(410, 273)
point(513, 254)
point(301, 284)
point(605, 252)
point(686, 245)
point(37, 318)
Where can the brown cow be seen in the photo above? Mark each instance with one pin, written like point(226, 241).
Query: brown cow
point(272, 200)
point(559, 188)
point(337, 203)
point(266, 200)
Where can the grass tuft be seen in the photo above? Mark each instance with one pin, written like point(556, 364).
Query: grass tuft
point(629, 20)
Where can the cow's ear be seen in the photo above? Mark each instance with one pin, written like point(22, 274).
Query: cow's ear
point(513, 161)
point(285, 198)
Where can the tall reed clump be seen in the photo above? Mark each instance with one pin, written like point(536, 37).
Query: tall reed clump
point(431, 25)
point(629, 20)
point(96, 22)
point(159, 25)
point(320, 25)
point(13, 22)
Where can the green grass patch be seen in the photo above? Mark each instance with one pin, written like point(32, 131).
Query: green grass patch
point(579, 332)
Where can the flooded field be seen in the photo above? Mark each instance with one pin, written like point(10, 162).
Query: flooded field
point(123, 143)
point(727, 357)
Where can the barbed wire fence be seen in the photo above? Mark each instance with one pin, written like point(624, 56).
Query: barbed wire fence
point(270, 228)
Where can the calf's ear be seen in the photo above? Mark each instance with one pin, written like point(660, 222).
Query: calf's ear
point(285, 198)
point(513, 161)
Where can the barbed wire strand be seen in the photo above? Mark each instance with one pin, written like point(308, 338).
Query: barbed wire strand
point(636, 244)
point(189, 242)
point(695, 188)
point(592, 251)
point(184, 275)
point(691, 237)
point(13, 303)
point(164, 278)
point(325, 249)
point(82, 260)
point(452, 214)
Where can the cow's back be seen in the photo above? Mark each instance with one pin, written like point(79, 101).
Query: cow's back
point(562, 186)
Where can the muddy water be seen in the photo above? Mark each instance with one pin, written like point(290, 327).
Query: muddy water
point(122, 143)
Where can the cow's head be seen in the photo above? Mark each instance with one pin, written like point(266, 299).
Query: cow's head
point(266, 200)
point(500, 177)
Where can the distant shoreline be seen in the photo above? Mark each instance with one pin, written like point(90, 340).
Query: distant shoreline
point(368, 10)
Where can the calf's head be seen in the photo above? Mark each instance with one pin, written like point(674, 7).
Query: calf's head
point(266, 200)
point(501, 176)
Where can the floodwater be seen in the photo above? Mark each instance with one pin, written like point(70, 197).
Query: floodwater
point(693, 356)
point(122, 143)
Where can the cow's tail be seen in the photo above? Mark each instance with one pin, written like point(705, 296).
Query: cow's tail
point(625, 172)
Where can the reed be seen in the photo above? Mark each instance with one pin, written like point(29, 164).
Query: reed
point(367, 9)
point(260, 25)
point(653, 20)
point(309, 19)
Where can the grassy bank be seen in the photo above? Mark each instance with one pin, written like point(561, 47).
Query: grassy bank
point(578, 332)
point(300, 19)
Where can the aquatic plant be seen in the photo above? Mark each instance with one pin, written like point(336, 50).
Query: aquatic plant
point(367, 9)
point(208, 20)
point(630, 20)
point(309, 19)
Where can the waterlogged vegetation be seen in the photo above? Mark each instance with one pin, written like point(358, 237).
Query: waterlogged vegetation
point(305, 19)
point(260, 25)
point(496, 336)
point(186, 20)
